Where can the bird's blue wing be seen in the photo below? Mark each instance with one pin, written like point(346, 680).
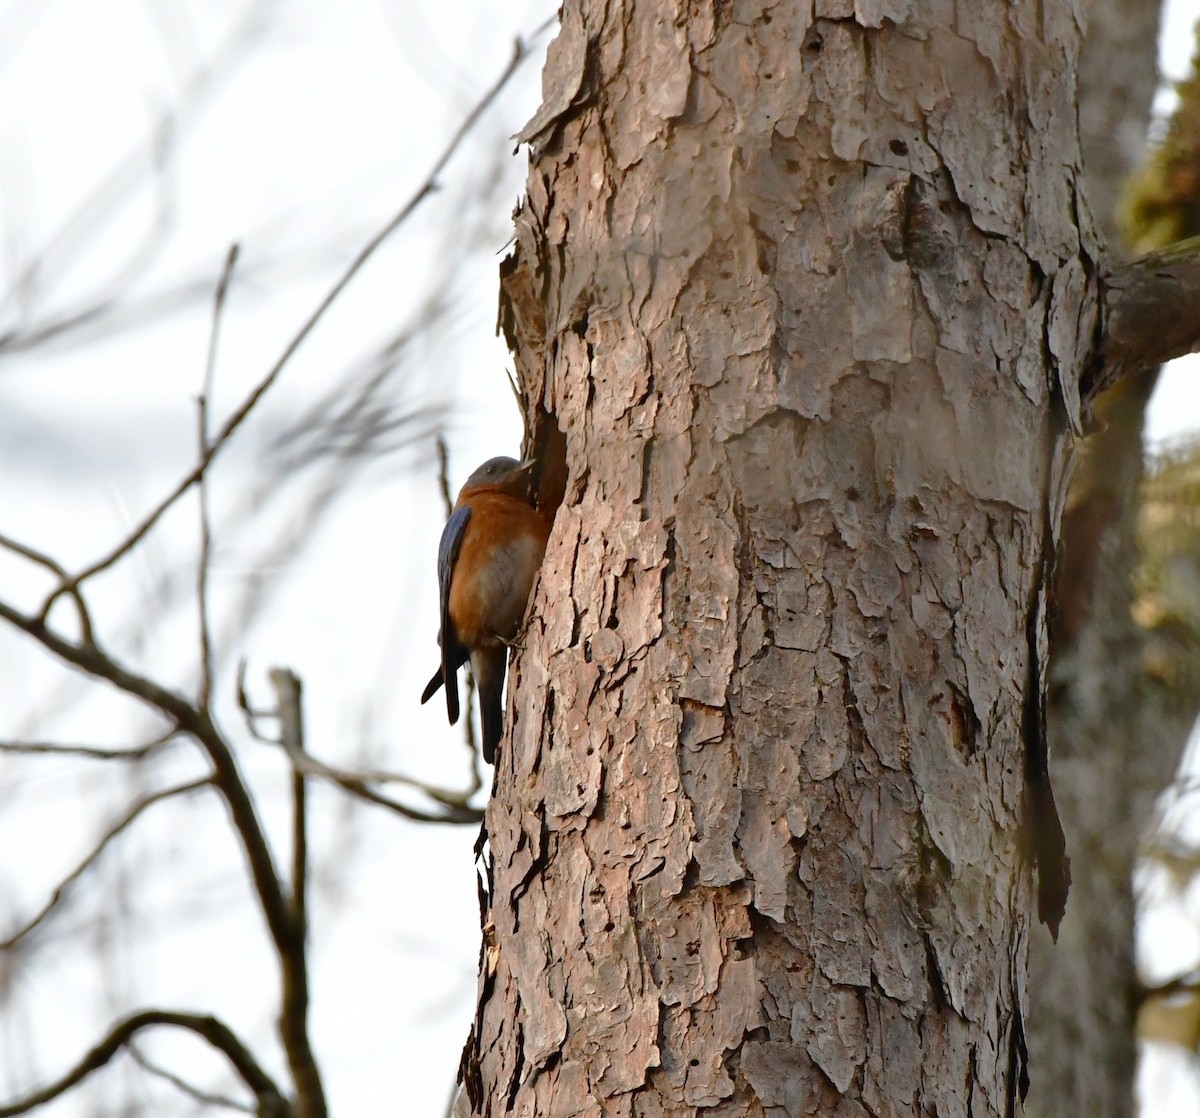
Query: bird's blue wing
point(452, 653)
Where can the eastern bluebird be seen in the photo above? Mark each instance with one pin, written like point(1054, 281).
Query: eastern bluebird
point(488, 557)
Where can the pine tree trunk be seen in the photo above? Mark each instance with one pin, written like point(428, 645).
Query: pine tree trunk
point(806, 300)
point(1113, 749)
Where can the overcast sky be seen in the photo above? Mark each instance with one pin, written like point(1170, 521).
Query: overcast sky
point(296, 134)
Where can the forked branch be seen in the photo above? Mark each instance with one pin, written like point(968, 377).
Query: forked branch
point(71, 584)
point(272, 1103)
point(360, 783)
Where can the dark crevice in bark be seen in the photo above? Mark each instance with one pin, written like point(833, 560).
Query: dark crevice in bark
point(1047, 842)
point(972, 1073)
point(1018, 1065)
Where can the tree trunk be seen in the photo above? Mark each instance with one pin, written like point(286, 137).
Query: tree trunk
point(806, 301)
point(1106, 770)
point(1110, 745)
point(1082, 1021)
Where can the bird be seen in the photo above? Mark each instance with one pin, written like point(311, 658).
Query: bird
point(488, 558)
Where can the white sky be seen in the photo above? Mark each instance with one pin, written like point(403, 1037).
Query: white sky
point(326, 128)
point(328, 124)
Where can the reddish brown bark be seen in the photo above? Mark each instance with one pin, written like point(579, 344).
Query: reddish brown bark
point(806, 299)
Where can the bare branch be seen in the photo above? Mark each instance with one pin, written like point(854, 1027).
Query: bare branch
point(520, 52)
point(443, 455)
point(1183, 984)
point(93, 752)
point(55, 568)
point(90, 659)
point(210, 367)
point(116, 314)
point(271, 1101)
point(293, 1019)
point(455, 813)
point(291, 735)
point(363, 405)
point(252, 716)
point(94, 854)
point(207, 1098)
point(286, 935)
point(200, 726)
point(318, 501)
point(359, 784)
point(470, 737)
point(1151, 313)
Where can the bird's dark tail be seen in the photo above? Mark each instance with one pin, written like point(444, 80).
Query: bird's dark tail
point(445, 674)
point(432, 686)
point(489, 666)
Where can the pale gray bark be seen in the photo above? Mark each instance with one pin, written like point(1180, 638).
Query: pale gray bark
point(1110, 754)
point(806, 297)
point(1106, 772)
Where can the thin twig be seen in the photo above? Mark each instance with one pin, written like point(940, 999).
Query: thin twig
point(470, 737)
point(210, 368)
point(94, 854)
point(443, 456)
point(207, 1098)
point(271, 1101)
point(94, 752)
point(235, 420)
point(55, 568)
point(251, 715)
point(449, 797)
point(545, 25)
point(358, 783)
point(115, 315)
point(460, 816)
point(457, 803)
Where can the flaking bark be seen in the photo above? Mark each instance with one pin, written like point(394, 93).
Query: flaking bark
point(805, 296)
point(1107, 761)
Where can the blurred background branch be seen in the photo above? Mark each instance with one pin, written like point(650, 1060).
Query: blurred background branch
point(310, 523)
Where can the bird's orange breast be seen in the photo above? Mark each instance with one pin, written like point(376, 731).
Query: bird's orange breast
point(497, 563)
